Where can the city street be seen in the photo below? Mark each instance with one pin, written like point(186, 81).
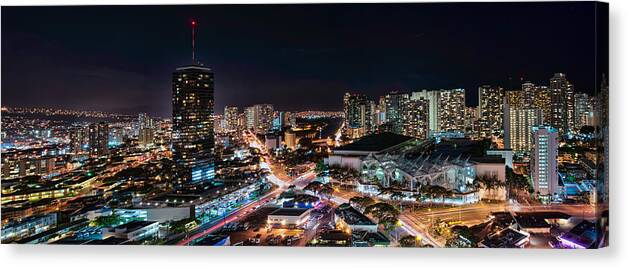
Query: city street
point(210, 227)
point(282, 184)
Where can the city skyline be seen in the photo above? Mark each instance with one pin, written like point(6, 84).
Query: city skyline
point(102, 60)
point(396, 166)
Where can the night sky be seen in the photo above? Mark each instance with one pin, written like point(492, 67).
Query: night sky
point(297, 57)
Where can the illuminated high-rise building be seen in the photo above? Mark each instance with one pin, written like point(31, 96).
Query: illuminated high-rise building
point(451, 109)
point(394, 103)
point(116, 136)
point(193, 123)
point(491, 110)
point(249, 115)
point(544, 161)
point(514, 98)
point(278, 120)
point(98, 139)
point(265, 120)
point(561, 103)
point(518, 124)
point(144, 121)
point(290, 119)
point(283, 120)
point(471, 124)
point(583, 110)
point(78, 136)
point(415, 118)
point(220, 124)
point(542, 100)
point(146, 130)
point(358, 119)
point(570, 107)
point(231, 115)
point(146, 137)
point(533, 96)
point(259, 118)
point(433, 103)
point(242, 122)
point(528, 94)
point(375, 116)
point(381, 111)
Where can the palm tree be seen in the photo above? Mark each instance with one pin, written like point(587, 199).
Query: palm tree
point(489, 182)
point(517, 184)
point(476, 184)
point(468, 185)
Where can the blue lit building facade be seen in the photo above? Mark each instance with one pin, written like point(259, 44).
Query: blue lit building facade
point(544, 161)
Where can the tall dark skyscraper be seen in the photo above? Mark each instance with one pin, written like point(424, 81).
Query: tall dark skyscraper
point(394, 104)
point(491, 105)
point(77, 139)
point(562, 103)
point(98, 139)
point(231, 117)
point(259, 118)
point(192, 122)
point(358, 115)
point(146, 132)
